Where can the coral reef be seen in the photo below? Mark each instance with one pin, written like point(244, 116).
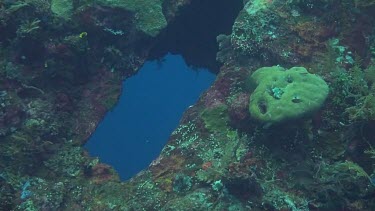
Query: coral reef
point(61, 70)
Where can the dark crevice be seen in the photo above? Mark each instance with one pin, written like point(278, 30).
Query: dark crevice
point(262, 107)
point(193, 33)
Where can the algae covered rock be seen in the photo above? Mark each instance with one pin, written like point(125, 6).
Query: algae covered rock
point(62, 8)
point(149, 15)
point(216, 119)
point(283, 94)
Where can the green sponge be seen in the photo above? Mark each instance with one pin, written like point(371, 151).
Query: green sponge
point(283, 94)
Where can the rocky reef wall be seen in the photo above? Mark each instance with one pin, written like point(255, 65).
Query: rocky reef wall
point(61, 67)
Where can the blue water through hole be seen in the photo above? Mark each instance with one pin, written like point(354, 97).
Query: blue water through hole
point(150, 107)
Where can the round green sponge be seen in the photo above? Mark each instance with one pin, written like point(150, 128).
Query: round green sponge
point(283, 94)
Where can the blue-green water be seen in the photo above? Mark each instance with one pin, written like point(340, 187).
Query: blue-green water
point(150, 107)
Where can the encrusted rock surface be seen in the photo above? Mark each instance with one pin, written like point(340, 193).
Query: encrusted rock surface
point(59, 76)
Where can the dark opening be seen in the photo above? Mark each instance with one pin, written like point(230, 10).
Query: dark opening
point(150, 107)
point(193, 33)
point(262, 105)
point(133, 134)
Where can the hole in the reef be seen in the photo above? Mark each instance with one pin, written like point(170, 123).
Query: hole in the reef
point(289, 79)
point(262, 107)
point(193, 33)
point(296, 99)
point(149, 109)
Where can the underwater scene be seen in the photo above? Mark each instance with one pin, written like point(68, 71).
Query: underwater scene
point(187, 105)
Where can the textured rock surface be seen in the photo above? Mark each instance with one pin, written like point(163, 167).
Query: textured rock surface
point(149, 16)
point(62, 8)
